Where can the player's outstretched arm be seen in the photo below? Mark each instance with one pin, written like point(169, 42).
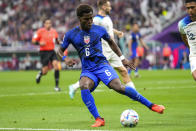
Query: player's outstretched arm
point(60, 55)
point(117, 50)
point(120, 34)
point(144, 44)
point(130, 47)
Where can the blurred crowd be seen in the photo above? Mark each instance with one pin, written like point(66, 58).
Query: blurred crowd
point(20, 18)
point(162, 57)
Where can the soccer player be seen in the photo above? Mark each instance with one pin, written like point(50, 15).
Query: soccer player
point(46, 37)
point(103, 19)
point(187, 29)
point(86, 38)
point(135, 39)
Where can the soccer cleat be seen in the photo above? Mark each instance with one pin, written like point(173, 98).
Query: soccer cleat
point(99, 122)
point(71, 92)
point(57, 89)
point(38, 78)
point(158, 108)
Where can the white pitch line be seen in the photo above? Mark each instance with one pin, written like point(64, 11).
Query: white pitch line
point(33, 94)
point(32, 129)
point(43, 93)
point(97, 90)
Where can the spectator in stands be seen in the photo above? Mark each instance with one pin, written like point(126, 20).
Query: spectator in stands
point(27, 62)
point(19, 19)
point(14, 62)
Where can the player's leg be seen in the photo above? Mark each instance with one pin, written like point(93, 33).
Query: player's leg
point(125, 76)
point(194, 75)
point(73, 88)
point(110, 78)
point(116, 63)
point(136, 62)
point(53, 58)
point(86, 85)
point(133, 94)
point(44, 61)
point(56, 74)
point(132, 59)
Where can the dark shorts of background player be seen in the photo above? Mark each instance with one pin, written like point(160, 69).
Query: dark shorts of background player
point(166, 58)
point(47, 56)
point(140, 58)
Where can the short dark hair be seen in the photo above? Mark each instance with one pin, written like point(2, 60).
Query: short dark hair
point(101, 2)
point(45, 19)
point(83, 8)
point(188, 1)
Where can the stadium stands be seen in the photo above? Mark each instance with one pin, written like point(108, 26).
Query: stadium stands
point(20, 18)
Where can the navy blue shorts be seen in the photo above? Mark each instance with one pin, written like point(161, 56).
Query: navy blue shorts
point(104, 73)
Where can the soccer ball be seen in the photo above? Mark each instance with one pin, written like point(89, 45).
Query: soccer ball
point(129, 118)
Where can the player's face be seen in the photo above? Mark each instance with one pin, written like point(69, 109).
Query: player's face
point(107, 7)
point(48, 24)
point(135, 28)
point(86, 21)
point(191, 9)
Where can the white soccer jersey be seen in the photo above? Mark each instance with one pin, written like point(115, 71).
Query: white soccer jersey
point(107, 23)
point(188, 27)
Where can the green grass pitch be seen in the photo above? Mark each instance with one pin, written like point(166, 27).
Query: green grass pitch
point(24, 104)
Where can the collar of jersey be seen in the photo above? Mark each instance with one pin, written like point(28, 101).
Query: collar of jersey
point(100, 16)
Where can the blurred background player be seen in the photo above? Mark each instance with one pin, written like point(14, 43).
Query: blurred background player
point(103, 19)
point(86, 38)
point(187, 29)
point(46, 37)
point(167, 52)
point(135, 40)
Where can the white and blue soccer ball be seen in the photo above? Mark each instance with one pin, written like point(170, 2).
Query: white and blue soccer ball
point(129, 118)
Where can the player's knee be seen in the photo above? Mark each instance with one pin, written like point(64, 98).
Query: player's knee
point(55, 65)
point(44, 71)
point(194, 75)
point(116, 85)
point(84, 86)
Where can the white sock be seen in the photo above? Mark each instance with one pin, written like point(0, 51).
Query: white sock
point(130, 84)
point(76, 85)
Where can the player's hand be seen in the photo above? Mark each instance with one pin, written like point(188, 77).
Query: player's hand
point(120, 34)
point(147, 48)
point(70, 62)
point(42, 43)
point(128, 64)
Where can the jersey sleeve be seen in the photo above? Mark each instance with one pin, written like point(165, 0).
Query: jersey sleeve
point(180, 27)
point(105, 36)
point(130, 37)
point(37, 35)
point(98, 21)
point(66, 40)
point(140, 36)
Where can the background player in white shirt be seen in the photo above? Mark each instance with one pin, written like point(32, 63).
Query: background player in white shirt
point(187, 29)
point(103, 19)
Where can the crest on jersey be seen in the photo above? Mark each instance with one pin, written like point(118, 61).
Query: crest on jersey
point(86, 39)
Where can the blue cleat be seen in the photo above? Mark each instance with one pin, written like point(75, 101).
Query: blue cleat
point(71, 92)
